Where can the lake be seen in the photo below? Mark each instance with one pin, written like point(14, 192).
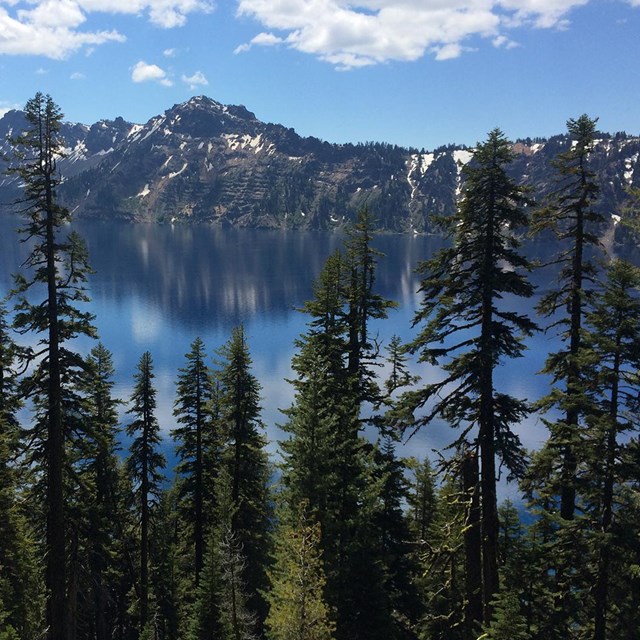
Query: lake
point(156, 288)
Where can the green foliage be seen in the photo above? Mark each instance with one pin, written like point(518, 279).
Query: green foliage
point(198, 449)
point(468, 332)
point(243, 485)
point(58, 264)
point(571, 217)
point(298, 610)
point(144, 465)
point(507, 621)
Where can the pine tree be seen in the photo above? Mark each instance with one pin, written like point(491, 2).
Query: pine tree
point(363, 304)
point(208, 622)
point(328, 463)
point(102, 474)
point(611, 345)
point(60, 265)
point(197, 446)
point(507, 621)
point(245, 467)
point(19, 574)
point(144, 465)
point(298, 610)
point(469, 332)
point(571, 217)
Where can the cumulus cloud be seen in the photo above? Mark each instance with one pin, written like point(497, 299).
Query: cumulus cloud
point(196, 80)
point(77, 76)
point(143, 72)
point(356, 33)
point(263, 39)
point(56, 28)
point(169, 53)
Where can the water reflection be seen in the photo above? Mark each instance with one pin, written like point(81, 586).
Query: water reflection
point(156, 288)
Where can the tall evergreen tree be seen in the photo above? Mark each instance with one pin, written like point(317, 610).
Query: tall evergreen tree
point(246, 472)
point(101, 474)
point(573, 220)
point(58, 264)
point(328, 463)
point(198, 445)
point(469, 332)
point(611, 349)
point(144, 464)
point(363, 304)
point(19, 573)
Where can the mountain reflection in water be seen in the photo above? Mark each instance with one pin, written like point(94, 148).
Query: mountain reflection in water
point(158, 287)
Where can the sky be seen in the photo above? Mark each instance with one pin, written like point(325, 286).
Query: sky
point(417, 73)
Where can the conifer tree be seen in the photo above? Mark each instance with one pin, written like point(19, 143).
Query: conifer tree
point(468, 332)
point(612, 345)
point(19, 574)
point(507, 621)
point(399, 376)
point(421, 498)
point(207, 622)
point(198, 445)
point(442, 579)
point(363, 304)
point(572, 219)
point(298, 610)
point(244, 485)
point(101, 475)
point(327, 462)
point(58, 264)
point(144, 465)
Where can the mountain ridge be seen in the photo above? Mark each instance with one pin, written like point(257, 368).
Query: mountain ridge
point(202, 161)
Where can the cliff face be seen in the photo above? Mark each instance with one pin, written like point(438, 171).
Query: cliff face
point(207, 162)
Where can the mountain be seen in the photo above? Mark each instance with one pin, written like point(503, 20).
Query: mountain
point(206, 162)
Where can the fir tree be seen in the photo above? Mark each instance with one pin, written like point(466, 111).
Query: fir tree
point(363, 304)
point(612, 345)
point(298, 610)
point(144, 465)
point(102, 473)
point(553, 479)
point(571, 217)
point(468, 332)
point(60, 265)
point(328, 463)
point(245, 466)
point(20, 604)
point(196, 446)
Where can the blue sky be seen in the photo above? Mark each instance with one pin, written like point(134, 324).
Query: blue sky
point(418, 73)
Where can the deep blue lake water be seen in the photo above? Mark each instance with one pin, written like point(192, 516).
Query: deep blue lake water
point(156, 288)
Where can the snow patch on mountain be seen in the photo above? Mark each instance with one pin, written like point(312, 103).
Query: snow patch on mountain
point(629, 168)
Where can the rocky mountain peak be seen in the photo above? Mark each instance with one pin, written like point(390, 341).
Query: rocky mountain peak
point(209, 162)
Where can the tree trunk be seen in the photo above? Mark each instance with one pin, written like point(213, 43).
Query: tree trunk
point(56, 548)
point(472, 547)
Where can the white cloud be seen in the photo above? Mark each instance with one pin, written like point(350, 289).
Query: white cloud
point(169, 53)
point(502, 41)
point(263, 39)
point(356, 33)
point(162, 13)
point(195, 80)
point(77, 76)
point(143, 72)
point(54, 28)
